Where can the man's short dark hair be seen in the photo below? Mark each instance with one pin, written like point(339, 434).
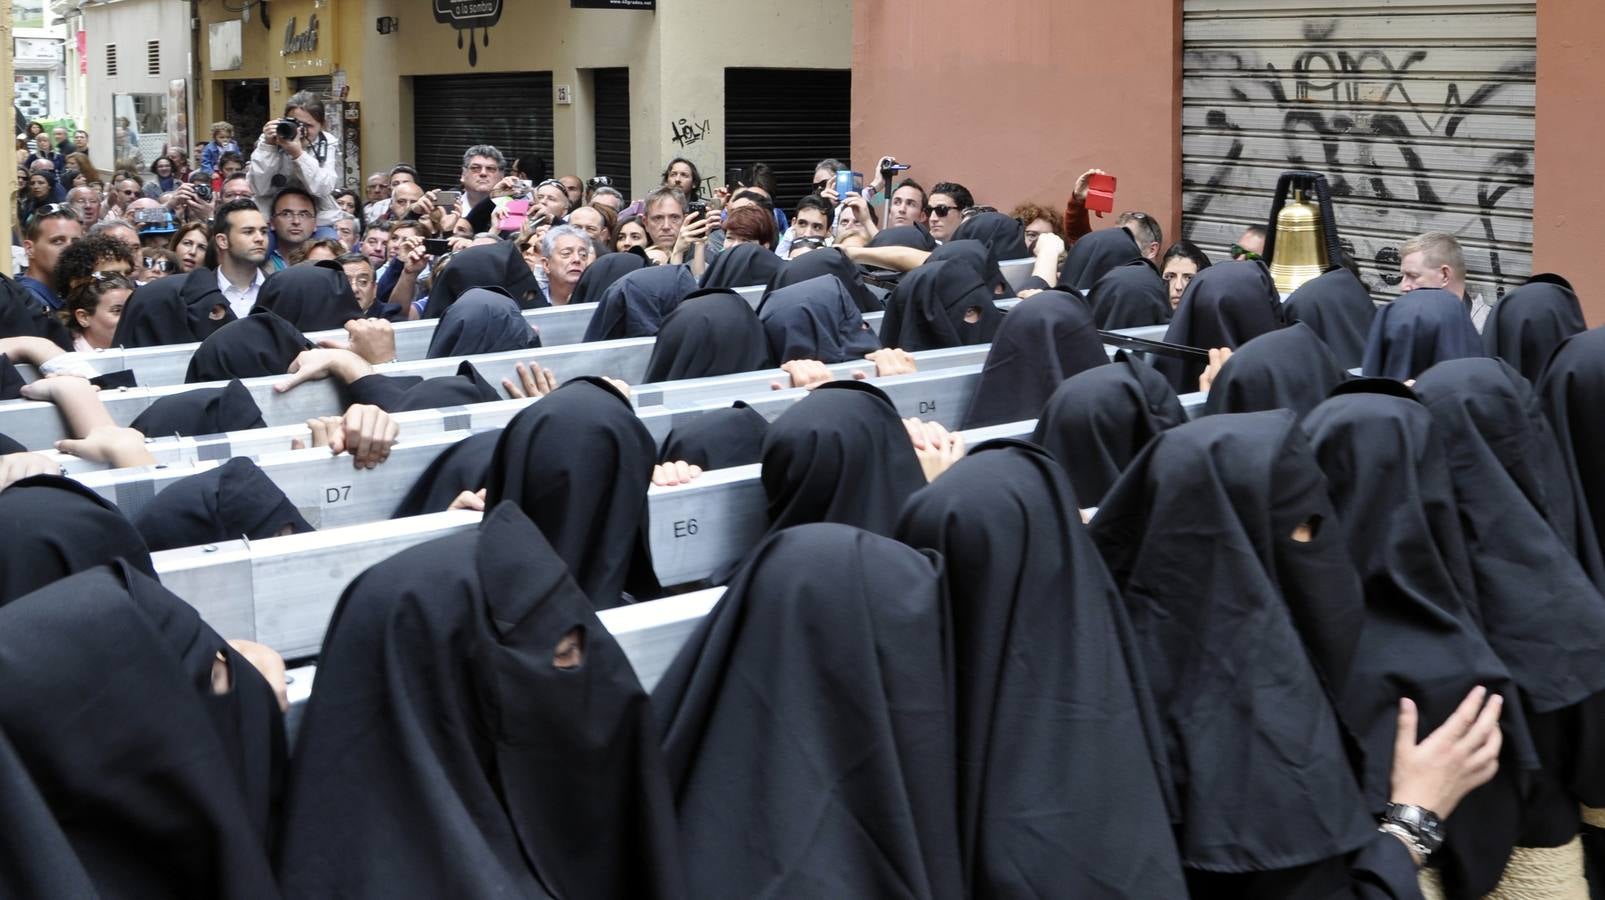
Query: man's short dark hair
point(293, 191)
point(814, 201)
point(221, 225)
point(959, 193)
point(909, 182)
point(229, 157)
point(78, 260)
point(835, 165)
point(403, 168)
point(662, 194)
point(236, 177)
point(417, 225)
point(762, 200)
point(36, 222)
point(351, 259)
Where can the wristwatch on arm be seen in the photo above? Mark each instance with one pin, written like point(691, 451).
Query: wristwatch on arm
point(1417, 827)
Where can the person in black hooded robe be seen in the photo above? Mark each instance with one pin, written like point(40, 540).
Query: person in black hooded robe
point(36, 858)
point(1052, 711)
point(201, 411)
point(942, 303)
point(600, 275)
point(743, 265)
point(1420, 329)
point(145, 776)
point(261, 344)
point(1527, 325)
point(979, 256)
point(636, 304)
point(1098, 420)
point(497, 265)
point(1225, 305)
point(178, 309)
point(914, 237)
point(56, 527)
point(579, 463)
point(1130, 296)
point(806, 726)
point(483, 320)
point(711, 332)
point(311, 296)
point(464, 466)
point(718, 439)
point(477, 732)
point(1043, 341)
point(1289, 368)
point(815, 319)
point(841, 454)
point(1094, 256)
point(1214, 536)
point(1390, 486)
point(1337, 307)
point(826, 261)
point(1002, 234)
point(405, 393)
point(23, 315)
point(1536, 604)
point(223, 504)
point(1570, 393)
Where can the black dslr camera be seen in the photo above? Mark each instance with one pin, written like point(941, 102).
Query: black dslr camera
point(288, 129)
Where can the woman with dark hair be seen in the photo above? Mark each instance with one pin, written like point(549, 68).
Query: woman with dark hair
point(166, 178)
point(93, 309)
point(79, 162)
point(189, 242)
point(41, 192)
point(1178, 266)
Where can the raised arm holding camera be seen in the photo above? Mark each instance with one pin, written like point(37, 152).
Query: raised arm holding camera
point(295, 152)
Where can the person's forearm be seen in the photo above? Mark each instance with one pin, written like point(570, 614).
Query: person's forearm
point(699, 260)
point(406, 289)
point(35, 351)
point(903, 259)
point(1046, 268)
point(1076, 223)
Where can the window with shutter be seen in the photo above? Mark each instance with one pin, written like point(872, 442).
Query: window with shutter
point(153, 57)
point(111, 60)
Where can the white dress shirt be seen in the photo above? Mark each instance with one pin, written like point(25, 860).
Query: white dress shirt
point(241, 300)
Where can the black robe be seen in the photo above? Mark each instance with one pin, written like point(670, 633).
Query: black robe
point(56, 527)
point(173, 310)
point(1225, 305)
point(234, 500)
point(841, 454)
point(912, 236)
point(1289, 368)
point(1130, 296)
point(579, 462)
point(978, 255)
point(1003, 234)
point(23, 315)
point(312, 296)
point(1238, 648)
point(1416, 331)
point(483, 320)
point(445, 753)
point(1097, 422)
point(743, 265)
point(600, 275)
point(815, 319)
point(1527, 325)
point(636, 304)
point(201, 411)
point(1094, 255)
point(806, 726)
point(498, 265)
point(926, 310)
point(718, 439)
point(1570, 393)
point(464, 466)
point(1337, 307)
point(1390, 485)
point(1042, 341)
point(826, 261)
point(1052, 714)
point(712, 332)
point(162, 787)
point(260, 344)
point(404, 393)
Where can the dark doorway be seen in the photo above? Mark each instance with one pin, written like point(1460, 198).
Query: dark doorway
point(511, 111)
point(245, 106)
point(790, 119)
point(611, 91)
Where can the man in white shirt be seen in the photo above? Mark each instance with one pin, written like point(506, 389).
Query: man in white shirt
point(238, 249)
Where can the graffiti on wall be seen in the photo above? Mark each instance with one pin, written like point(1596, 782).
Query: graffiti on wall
point(1410, 139)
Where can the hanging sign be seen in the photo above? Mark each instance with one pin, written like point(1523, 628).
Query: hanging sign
point(469, 15)
point(612, 4)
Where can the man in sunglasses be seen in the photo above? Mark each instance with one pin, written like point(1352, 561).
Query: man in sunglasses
point(1251, 245)
point(51, 230)
point(946, 209)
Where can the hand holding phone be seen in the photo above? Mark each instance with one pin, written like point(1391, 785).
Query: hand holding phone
point(447, 200)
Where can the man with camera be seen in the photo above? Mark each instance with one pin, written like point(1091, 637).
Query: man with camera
point(295, 152)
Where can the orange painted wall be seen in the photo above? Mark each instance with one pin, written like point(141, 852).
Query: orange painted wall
point(1015, 98)
point(1569, 187)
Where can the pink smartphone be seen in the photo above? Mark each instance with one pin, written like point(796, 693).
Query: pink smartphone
point(514, 219)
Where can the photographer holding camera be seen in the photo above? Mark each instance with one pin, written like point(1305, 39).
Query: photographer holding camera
point(295, 152)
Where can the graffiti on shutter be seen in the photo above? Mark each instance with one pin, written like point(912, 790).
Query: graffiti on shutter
point(1421, 122)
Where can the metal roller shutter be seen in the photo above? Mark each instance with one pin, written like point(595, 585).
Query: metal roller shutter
point(790, 119)
point(511, 111)
point(611, 91)
point(322, 85)
point(1419, 112)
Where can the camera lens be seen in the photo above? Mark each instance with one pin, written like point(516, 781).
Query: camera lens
point(286, 128)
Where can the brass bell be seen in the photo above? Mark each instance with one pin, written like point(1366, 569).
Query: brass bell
point(1300, 249)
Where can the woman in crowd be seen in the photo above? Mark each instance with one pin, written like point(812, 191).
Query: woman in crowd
point(189, 242)
point(1180, 264)
point(93, 310)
